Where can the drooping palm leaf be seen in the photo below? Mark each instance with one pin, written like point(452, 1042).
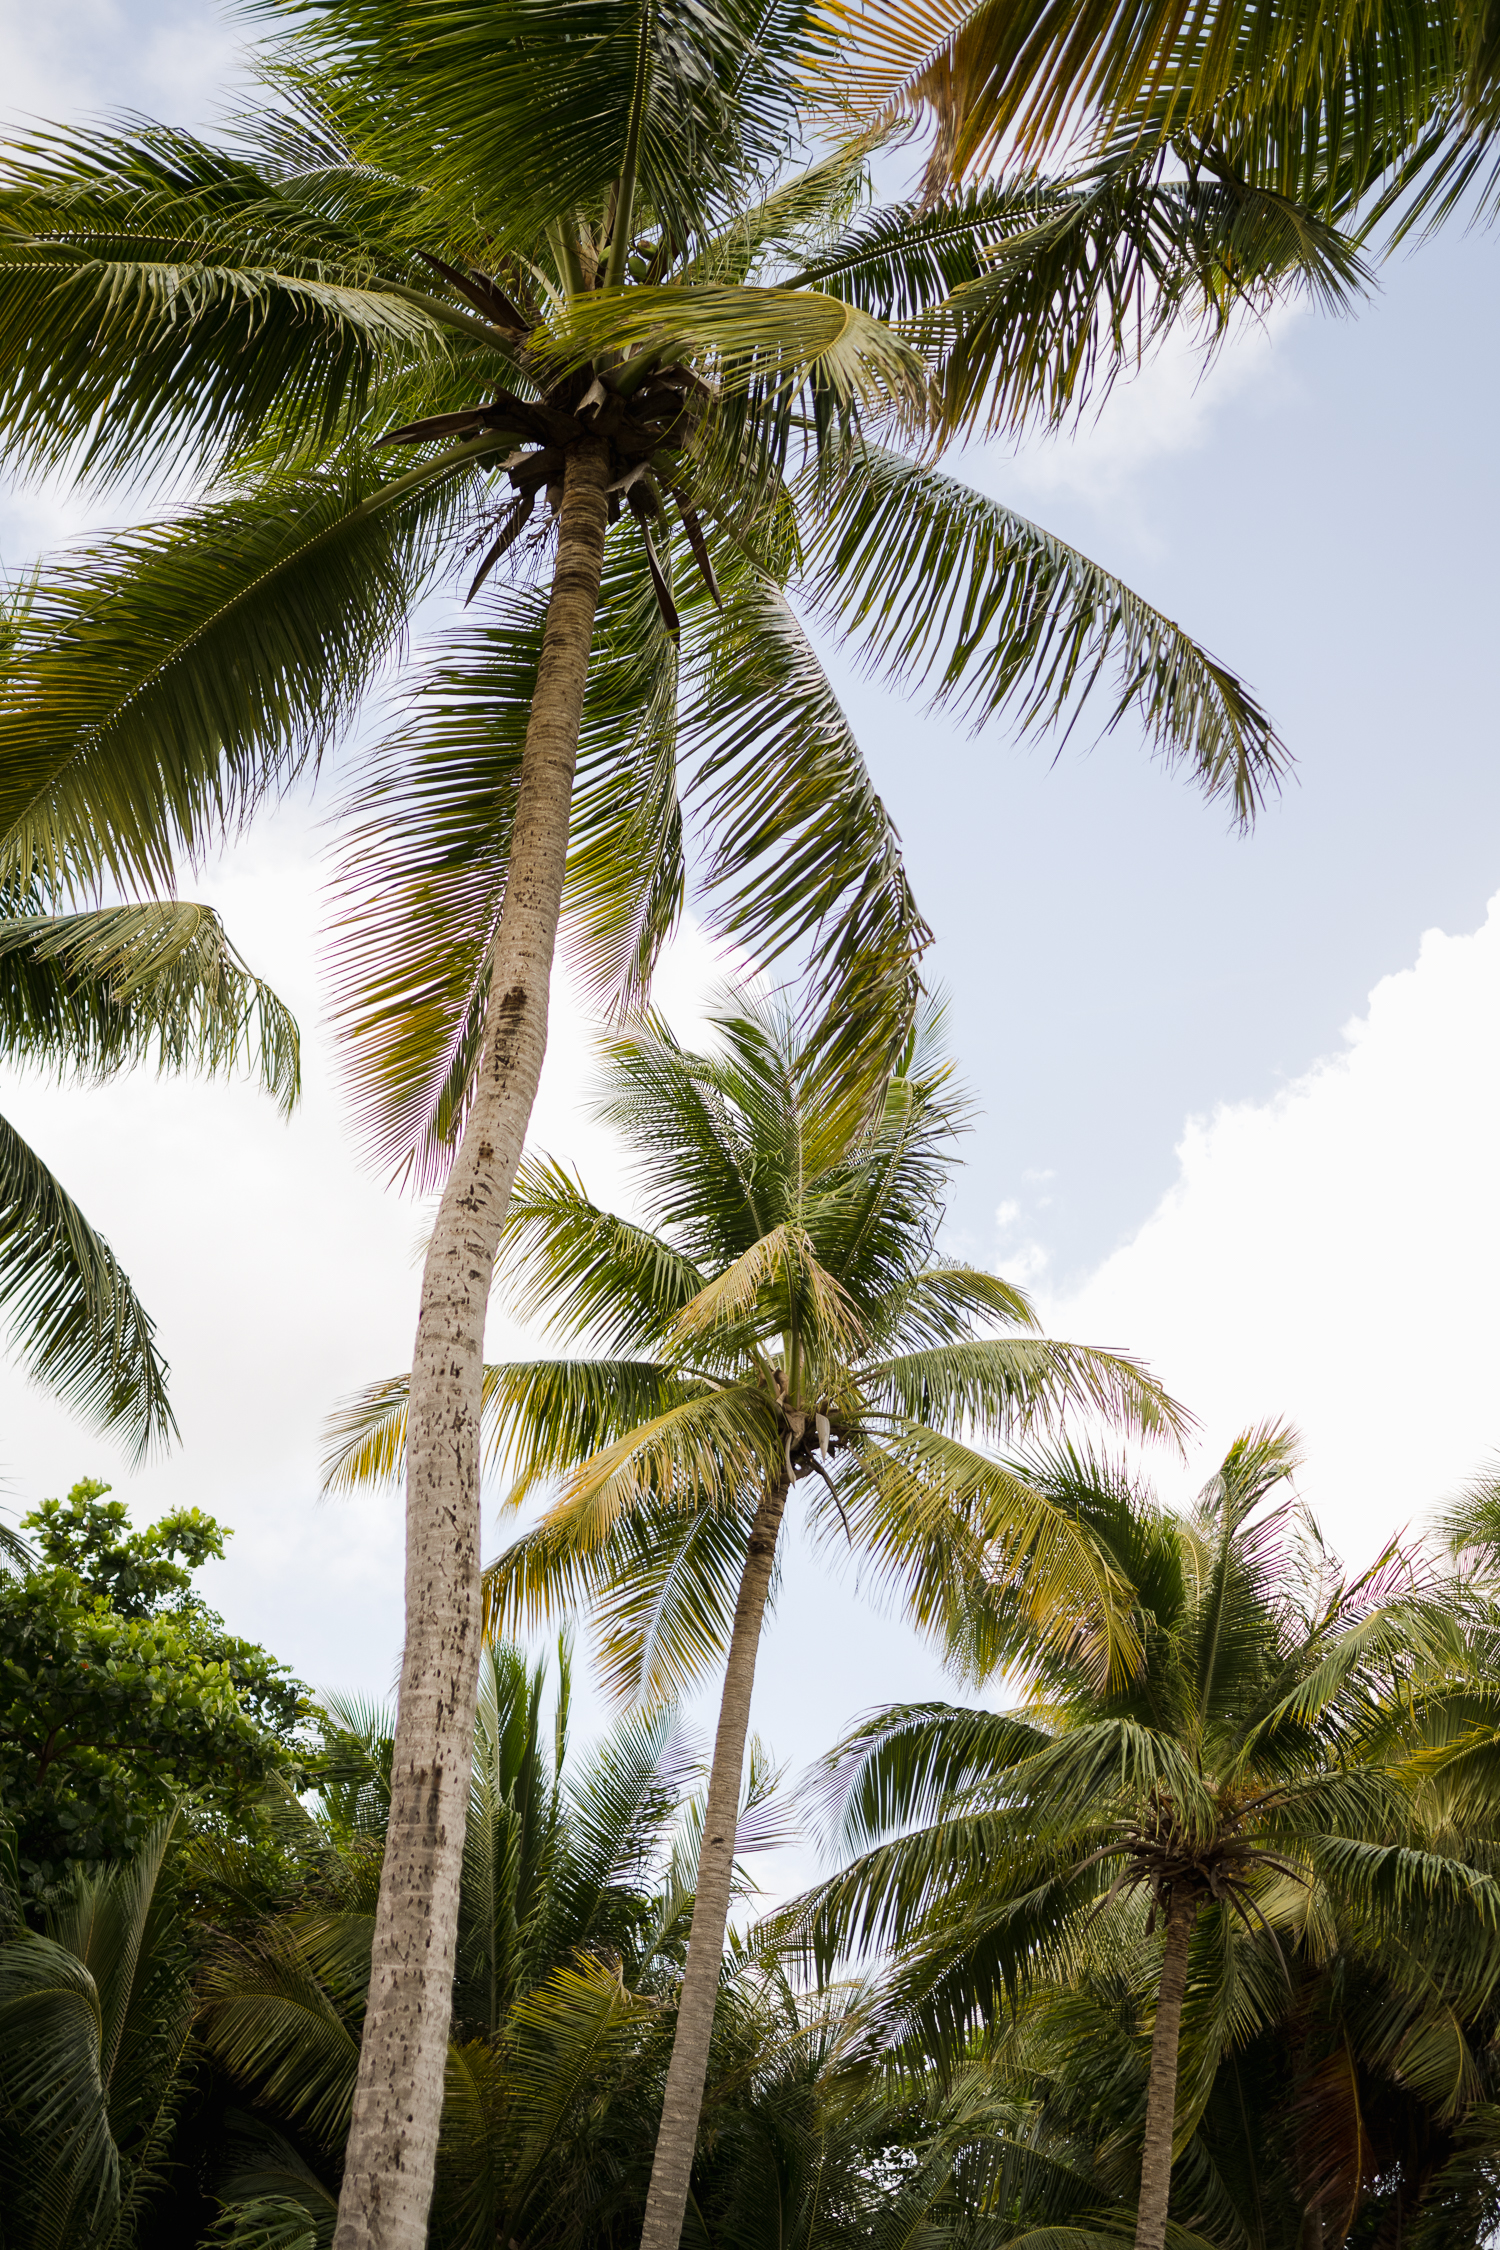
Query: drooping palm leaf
point(74, 1320)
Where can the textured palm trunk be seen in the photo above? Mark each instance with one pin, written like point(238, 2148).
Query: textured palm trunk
point(682, 2105)
point(392, 2147)
point(1161, 2089)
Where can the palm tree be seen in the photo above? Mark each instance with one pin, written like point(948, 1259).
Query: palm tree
point(1217, 1796)
point(92, 994)
point(564, 259)
point(781, 1320)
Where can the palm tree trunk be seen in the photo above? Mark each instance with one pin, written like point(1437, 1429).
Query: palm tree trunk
point(392, 2145)
point(1161, 2088)
point(682, 2104)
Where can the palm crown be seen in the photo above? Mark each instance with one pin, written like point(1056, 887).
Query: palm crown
point(490, 280)
point(786, 1319)
point(1229, 1787)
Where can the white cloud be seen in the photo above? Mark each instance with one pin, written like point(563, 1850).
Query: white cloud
point(1329, 1255)
point(176, 60)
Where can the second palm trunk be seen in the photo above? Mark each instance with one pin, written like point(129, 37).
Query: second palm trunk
point(682, 2104)
point(392, 2148)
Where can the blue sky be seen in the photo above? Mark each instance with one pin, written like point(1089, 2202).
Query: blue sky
point(1319, 510)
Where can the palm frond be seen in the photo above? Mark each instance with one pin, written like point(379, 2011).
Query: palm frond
point(540, 1418)
point(924, 573)
point(97, 992)
point(803, 851)
point(162, 680)
point(74, 1319)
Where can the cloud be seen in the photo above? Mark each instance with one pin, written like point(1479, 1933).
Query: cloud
point(1329, 1255)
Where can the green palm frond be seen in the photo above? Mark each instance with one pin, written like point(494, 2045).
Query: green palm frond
point(804, 851)
point(1032, 295)
point(161, 680)
point(161, 300)
point(1003, 1384)
point(567, 2030)
point(136, 984)
point(572, 1263)
point(988, 71)
point(718, 110)
point(666, 1610)
point(1079, 291)
point(74, 1319)
point(271, 2020)
point(538, 1417)
point(424, 861)
point(773, 342)
point(698, 1452)
point(972, 1542)
point(926, 575)
point(95, 2019)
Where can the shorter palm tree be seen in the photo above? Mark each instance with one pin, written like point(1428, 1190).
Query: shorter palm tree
point(1215, 1805)
point(783, 1321)
point(92, 994)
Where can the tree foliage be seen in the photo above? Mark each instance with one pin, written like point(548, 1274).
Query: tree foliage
point(121, 1693)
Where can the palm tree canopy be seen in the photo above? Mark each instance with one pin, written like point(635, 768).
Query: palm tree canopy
point(580, 222)
point(1244, 1764)
point(781, 1308)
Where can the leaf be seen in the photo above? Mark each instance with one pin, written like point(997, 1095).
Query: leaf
point(74, 1319)
point(163, 680)
point(928, 575)
point(97, 992)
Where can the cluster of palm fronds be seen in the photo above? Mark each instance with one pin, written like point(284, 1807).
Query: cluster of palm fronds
point(1214, 1911)
point(944, 2043)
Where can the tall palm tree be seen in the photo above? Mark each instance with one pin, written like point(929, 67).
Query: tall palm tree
point(90, 995)
point(781, 1320)
point(1211, 1797)
point(550, 248)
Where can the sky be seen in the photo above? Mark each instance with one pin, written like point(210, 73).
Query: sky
point(1238, 1096)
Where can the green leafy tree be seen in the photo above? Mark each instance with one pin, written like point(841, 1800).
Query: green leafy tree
point(89, 995)
point(781, 1319)
point(570, 259)
point(1214, 1805)
point(121, 1694)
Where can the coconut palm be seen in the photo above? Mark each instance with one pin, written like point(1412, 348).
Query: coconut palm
point(782, 1320)
point(569, 258)
point(1212, 1807)
point(90, 995)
